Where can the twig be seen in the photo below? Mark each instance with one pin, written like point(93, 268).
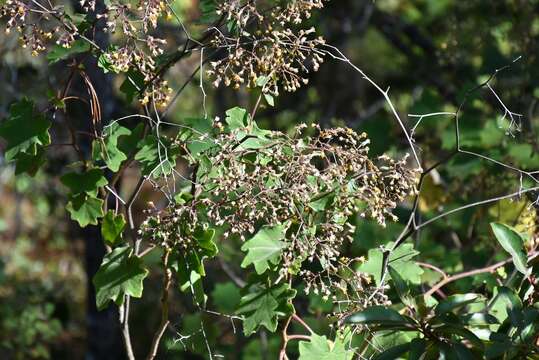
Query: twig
point(432, 267)
point(131, 200)
point(124, 316)
point(487, 269)
point(286, 337)
point(255, 108)
point(300, 320)
point(167, 280)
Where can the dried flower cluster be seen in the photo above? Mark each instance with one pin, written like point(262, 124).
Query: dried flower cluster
point(40, 22)
point(311, 184)
point(139, 47)
point(315, 184)
point(295, 177)
point(264, 48)
point(31, 20)
point(173, 228)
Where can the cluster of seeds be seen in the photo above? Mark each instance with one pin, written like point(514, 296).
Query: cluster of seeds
point(291, 175)
point(313, 184)
point(172, 228)
point(39, 23)
point(264, 48)
point(296, 11)
point(33, 26)
point(349, 290)
point(140, 47)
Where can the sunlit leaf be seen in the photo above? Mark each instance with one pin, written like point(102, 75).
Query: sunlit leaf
point(120, 274)
point(263, 305)
point(264, 248)
point(321, 348)
point(237, 118)
point(400, 260)
point(85, 209)
point(112, 227)
point(513, 243)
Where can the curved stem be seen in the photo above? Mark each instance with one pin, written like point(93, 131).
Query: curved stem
point(487, 269)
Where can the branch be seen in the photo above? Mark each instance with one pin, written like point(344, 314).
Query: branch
point(124, 316)
point(300, 320)
point(167, 280)
point(287, 338)
point(462, 275)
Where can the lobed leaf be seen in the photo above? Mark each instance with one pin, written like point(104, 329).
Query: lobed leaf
point(120, 274)
point(264, 248)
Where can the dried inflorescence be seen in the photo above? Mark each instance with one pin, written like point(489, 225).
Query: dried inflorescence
point(314, 184)
point(311, 184)
point(173, 228)
point(32, 24)
point(140, 47)
point(264, 47)
point(40, 23)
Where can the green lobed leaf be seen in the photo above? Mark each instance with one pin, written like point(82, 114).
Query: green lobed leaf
point(322, 203)
point(112, 227)
point(402, 288)
point(264, 248)
point(190, 271)
point(85, 209)
point(262, 305)
point(190, 266)
point(208, 248)
point(513, 243)
point(87, 182)
point(321, 348)
point(156, 157)
point(237, 118)
point(24, 130)
point(29, 162)
point(120, 274)
point(198, 146)
point(400, 260)
point(128, 143)
point(199, 125)
point(108, 149)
